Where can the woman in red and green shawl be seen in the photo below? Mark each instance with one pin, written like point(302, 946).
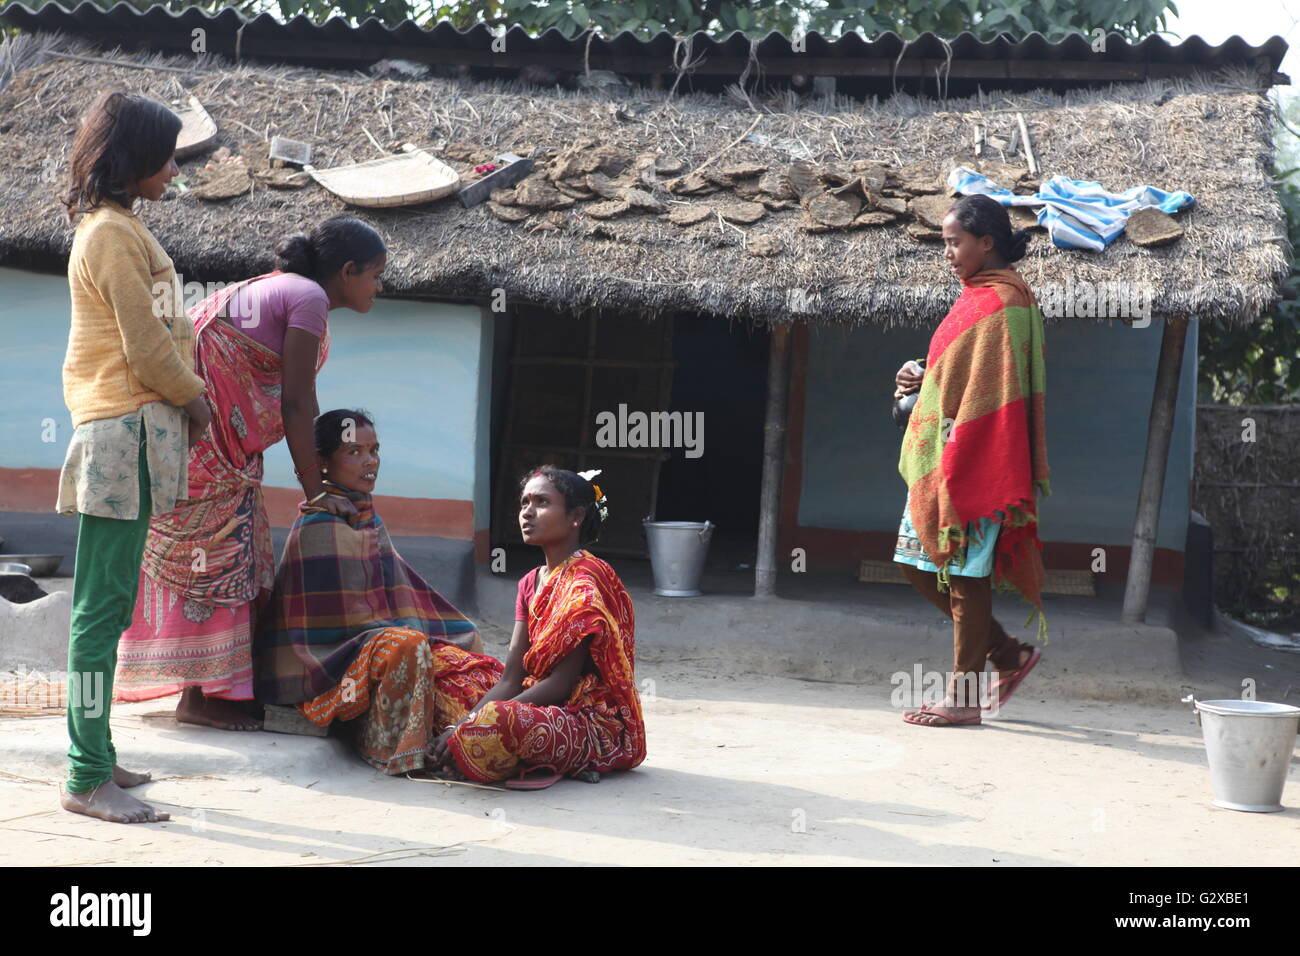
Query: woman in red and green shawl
point(974, 457)
point(566, 704)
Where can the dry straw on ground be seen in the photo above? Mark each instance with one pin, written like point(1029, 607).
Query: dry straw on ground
point(1210, 136)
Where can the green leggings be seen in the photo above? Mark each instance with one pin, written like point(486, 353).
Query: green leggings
point(109, 551)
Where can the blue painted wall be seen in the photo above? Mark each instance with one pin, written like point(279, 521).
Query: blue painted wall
point(418, 366)
point(1100, 377)
point(34, 312)
point(415, 366)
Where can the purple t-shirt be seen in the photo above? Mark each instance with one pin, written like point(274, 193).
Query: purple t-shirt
point(264, 310)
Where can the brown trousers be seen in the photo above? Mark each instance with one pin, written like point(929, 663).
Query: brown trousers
point(976, 636)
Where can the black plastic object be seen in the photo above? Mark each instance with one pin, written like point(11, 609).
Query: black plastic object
point(902, 407)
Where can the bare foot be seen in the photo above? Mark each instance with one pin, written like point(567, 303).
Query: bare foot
point(194, 708)
point(127, 778)
point(110, 802)
point(449, 771)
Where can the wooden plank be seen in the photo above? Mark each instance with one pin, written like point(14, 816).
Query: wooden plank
point(666, 376)
point(1029, 149)
point(1249, 484)
point(648, 454)
point(1137, 588)
point(769, 512)
point(595, 363)
point(1249, 408)
point(515, 169)
point(1056, 580)
point(734, 66)
point(498, 510)
point(584, 428)
point(354, 51)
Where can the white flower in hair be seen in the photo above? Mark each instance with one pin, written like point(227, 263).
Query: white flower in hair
point(601, 506)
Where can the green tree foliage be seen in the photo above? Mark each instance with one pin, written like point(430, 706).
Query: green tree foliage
point(1133, 19)
point(1259, 363)
point(908, 18)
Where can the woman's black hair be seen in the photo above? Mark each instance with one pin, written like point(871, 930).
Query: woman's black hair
point(984, 216)
point(322, 253)
point(330, 425)
point(578, 492)
point(122, 138)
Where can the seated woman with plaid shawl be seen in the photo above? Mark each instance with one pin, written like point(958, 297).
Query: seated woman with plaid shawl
point(352, 633)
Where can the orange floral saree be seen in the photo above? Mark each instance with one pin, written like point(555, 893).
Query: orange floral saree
point(399, 692)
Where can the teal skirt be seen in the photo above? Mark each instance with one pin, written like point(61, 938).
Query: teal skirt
point(974, 560)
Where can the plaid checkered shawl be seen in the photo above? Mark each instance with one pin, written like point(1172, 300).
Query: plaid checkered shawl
point(336, 587)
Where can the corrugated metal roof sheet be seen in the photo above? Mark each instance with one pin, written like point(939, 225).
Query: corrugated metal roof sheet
point(336, 42)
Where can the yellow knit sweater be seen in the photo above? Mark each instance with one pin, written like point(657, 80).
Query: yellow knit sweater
point(131, 342)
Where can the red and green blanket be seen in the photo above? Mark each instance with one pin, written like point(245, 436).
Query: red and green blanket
point(976, 444)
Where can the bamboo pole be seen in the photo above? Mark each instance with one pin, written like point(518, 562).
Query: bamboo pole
point(1160, 428)
point(778, 382)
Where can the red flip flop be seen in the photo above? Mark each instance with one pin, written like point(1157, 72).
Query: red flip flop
point(1002, 690)
point(534, 778)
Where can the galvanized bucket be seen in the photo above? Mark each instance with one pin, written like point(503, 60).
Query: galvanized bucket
point(1249, 745)
point(677, 553)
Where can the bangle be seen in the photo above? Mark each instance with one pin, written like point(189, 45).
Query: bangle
point(298, 474)
point(312, 501)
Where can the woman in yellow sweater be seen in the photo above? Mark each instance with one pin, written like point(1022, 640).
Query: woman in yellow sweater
point(137, 406)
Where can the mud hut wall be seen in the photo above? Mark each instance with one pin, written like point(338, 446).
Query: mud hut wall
point(419, 367)
point(1099, 382)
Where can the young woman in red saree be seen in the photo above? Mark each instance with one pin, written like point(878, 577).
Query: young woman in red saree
point(567, 701)
point(259, 345)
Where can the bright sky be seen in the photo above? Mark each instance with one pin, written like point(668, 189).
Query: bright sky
point(1254, 21)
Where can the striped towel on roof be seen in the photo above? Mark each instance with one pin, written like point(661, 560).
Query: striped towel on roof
point(1077, 214)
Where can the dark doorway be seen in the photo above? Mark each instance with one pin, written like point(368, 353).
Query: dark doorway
point(565, 370)
point(722, 372)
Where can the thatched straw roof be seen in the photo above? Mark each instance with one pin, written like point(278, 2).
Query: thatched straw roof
point(1210, 136)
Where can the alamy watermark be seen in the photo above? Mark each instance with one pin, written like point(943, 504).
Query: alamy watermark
point(624, 429)
point(920, 688)
point(243, 300)
point(56, 689)
point(1112, 299)
point(75, 908)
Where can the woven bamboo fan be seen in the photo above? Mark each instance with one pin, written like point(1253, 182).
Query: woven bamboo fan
point(198, 130)
point(404, 180)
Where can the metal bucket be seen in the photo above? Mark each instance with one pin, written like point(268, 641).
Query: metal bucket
point(677, 553)
point(1249, 745)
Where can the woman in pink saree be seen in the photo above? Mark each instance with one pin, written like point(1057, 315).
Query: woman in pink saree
point(207, 564)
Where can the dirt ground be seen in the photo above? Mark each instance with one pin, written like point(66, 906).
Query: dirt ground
point(747, 770)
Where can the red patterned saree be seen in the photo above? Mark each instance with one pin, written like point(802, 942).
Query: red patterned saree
point(209, 559)
point(600, 727)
